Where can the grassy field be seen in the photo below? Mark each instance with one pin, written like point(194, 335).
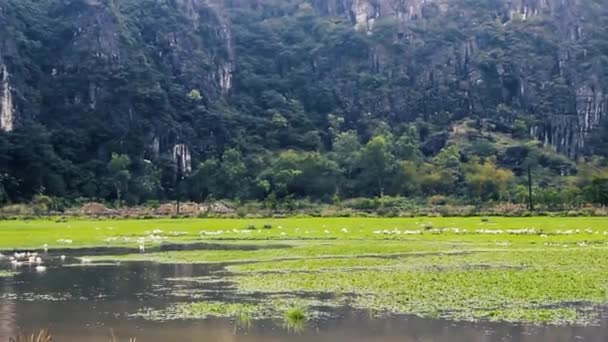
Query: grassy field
point(79, 233)
point(540, 270)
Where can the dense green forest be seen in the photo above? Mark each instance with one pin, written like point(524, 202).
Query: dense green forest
point(453, 100)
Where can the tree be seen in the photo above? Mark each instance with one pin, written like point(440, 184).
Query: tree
point(407, 178)
point(597, 191)
point(407, 146)
point(194, 95)
point(486, 181)
point(592, 178)
point(303, 174)
point(6, 181)
point(119, 174)
point(146, 184)
point(203, 182)
point(376, 165)
point(449, 159)
point(435, 180)
point(346, 149)
point(233, 178)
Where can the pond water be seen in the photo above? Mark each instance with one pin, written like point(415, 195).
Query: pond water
point(86, 302)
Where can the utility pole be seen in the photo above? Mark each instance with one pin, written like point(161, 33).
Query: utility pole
point(178, 187)
point(530, 201)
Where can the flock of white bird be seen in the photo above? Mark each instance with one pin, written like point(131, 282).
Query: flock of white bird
point(35, 259)
point(28, 259)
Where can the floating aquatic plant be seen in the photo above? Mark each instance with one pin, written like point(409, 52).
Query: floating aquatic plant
point(200, 310)
point(6, 274)
point(295, 319)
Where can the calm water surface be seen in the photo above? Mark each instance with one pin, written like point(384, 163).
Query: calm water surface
point(84, 303)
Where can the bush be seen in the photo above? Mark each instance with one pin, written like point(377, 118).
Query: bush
point(17, 210)
point(574, 213)
point(438, 200)
point(154, 204)
point(241, 212)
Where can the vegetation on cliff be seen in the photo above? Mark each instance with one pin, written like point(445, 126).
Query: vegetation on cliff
point(271, 100)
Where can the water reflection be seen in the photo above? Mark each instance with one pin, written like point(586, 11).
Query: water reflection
point(8, 318)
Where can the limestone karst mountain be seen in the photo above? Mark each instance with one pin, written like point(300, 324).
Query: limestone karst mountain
point(99, 76)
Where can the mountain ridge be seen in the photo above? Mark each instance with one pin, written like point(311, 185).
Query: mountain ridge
point(182, 81)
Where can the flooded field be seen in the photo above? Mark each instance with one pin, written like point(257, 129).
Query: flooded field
point(348, 281)
point(87, 302)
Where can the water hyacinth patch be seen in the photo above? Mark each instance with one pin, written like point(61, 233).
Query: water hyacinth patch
point(200, 310)
point(529, 285)
point(294, 311)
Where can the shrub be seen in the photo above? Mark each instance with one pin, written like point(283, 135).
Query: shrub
point(438, 200)
point(574, 213)
point(154, 204)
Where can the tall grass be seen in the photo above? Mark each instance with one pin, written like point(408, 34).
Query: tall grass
point(45, 336)
point(295, 319)
point(42, 336)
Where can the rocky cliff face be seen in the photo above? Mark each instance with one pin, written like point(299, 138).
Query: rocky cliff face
point(128, 64)
point(114, 60)
point(566, 129)
point(6, 100)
